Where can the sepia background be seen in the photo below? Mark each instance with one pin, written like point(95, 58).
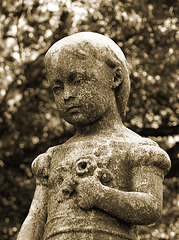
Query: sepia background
point(147, 33)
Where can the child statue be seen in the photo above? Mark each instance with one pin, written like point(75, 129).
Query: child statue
point(106, 179)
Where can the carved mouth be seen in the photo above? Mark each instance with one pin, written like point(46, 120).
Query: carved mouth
point(73, 109)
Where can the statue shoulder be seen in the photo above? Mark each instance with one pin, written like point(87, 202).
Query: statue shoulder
point(147, 152)
point(41, 165)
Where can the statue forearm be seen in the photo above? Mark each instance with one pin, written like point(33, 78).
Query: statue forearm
point(31, 229)
point(33, 226)
point(134, 207)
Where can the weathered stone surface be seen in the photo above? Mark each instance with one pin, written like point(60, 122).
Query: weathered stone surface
point(105, 180)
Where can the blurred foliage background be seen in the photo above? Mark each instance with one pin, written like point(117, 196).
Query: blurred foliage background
point(29, 123)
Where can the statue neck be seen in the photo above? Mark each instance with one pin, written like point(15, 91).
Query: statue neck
point(110, 121)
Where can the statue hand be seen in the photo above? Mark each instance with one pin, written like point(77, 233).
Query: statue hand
point(88, 189)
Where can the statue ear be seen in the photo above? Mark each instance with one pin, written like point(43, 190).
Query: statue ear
point(117, 77)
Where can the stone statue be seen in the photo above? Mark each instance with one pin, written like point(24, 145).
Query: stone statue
point(106, 179)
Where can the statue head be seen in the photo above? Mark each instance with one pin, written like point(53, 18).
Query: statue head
point(97, 47)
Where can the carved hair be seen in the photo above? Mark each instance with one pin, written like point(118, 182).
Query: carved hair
point(104, 49)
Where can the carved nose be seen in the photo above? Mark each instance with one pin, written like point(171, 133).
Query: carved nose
point(67, 92)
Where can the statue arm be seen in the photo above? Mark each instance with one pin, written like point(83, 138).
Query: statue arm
point(141, 206)
point(143, 203)
point(33, 226)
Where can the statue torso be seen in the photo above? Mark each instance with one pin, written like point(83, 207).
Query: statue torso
point(114, 155)
point(64, 215)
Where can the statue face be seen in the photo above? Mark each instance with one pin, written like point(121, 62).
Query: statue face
point(82, 87)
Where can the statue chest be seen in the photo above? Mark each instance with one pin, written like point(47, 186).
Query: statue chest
point(80, 159)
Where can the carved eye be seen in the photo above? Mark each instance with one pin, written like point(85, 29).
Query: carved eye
point(58, 87)
point(78, 81)
point(79, 78)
